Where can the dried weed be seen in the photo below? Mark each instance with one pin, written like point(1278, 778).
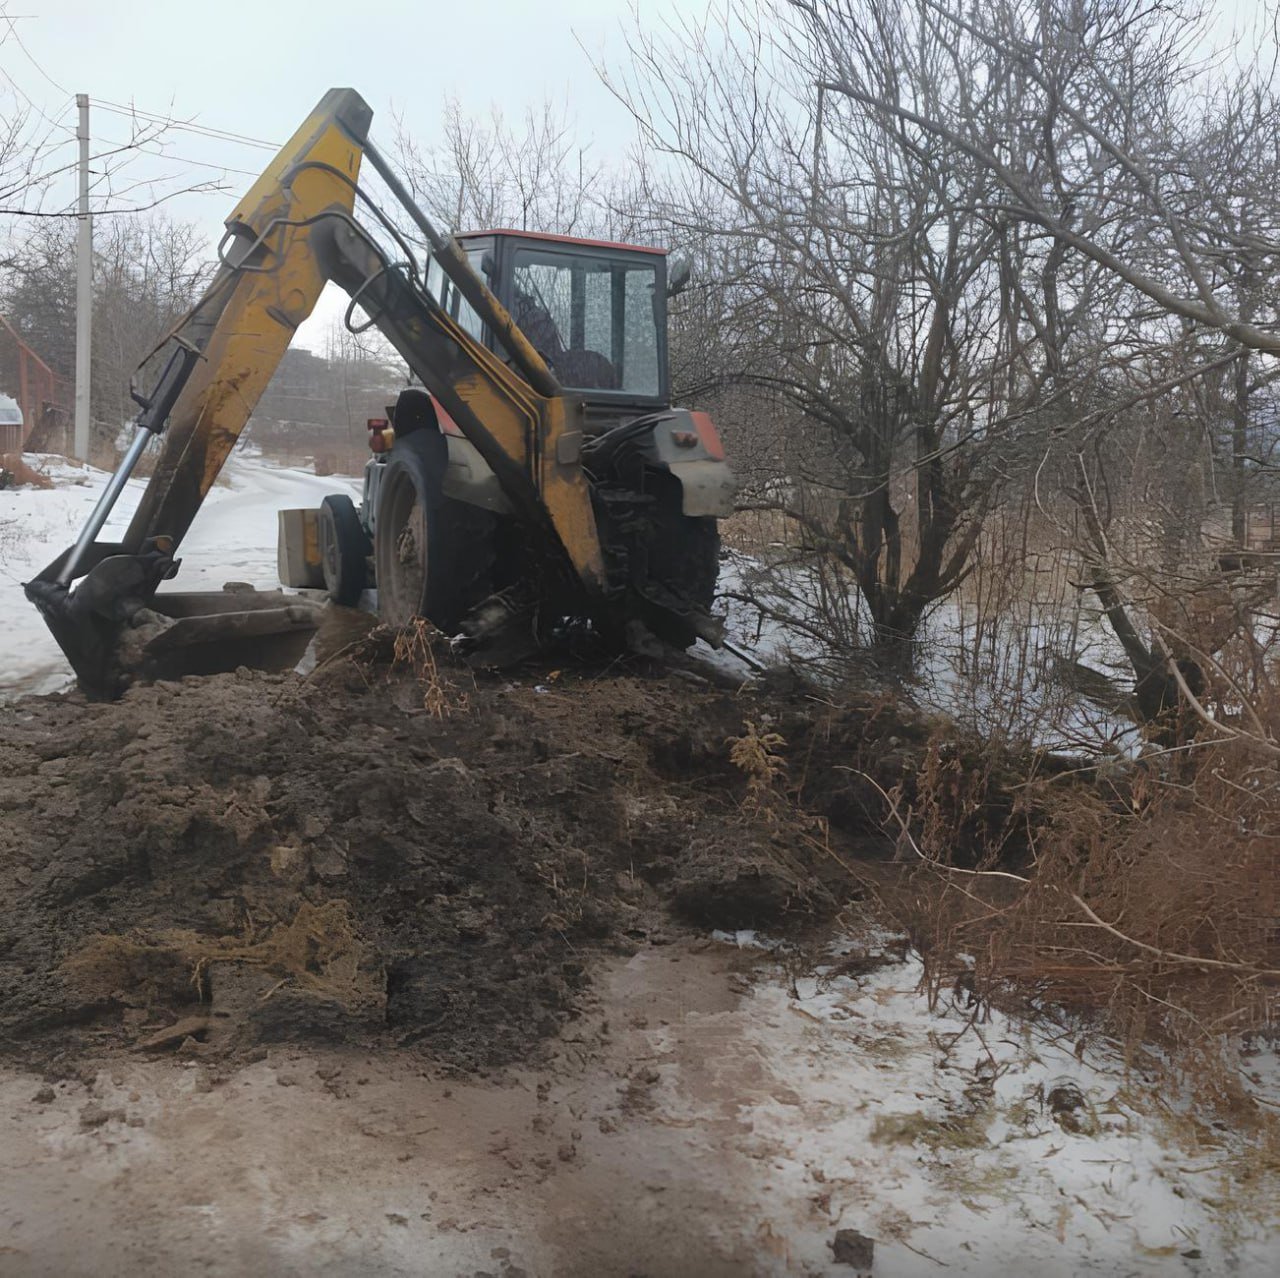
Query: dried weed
point(414, 646)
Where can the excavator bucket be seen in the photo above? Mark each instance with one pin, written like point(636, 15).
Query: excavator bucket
point(114, 629)
point(212, 632)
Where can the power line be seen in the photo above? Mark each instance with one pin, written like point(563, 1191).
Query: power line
point(121, 148)
point(141, 147)
point(225, 135)
point(140, 208)
point(117, 108)
point(106, 175)
point(129, 111)
point(117, 149)
point(150, 117)
point(183, 159)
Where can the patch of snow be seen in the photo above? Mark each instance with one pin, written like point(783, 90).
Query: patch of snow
point(233, 538)
point(745, 939)
point(990, 1145)
point(1007, 683)
point(1012, 681)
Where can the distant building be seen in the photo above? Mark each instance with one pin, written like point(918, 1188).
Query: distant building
point(41, 400)
point(11, 432)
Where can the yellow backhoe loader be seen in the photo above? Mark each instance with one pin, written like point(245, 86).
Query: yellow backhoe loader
point(535, 479)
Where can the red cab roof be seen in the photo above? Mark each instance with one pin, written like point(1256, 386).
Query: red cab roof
point(565, 239)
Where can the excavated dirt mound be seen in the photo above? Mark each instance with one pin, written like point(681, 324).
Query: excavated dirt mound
point(397, 849)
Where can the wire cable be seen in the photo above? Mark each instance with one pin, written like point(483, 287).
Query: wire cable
point(141, 148)
point(224, 135)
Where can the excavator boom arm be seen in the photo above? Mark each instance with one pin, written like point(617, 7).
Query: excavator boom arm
point(268, 283)
point(292, 233)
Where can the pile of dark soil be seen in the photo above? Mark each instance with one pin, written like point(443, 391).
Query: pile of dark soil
point(405, 852)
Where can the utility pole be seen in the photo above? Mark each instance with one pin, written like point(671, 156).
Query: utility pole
point(84, 287)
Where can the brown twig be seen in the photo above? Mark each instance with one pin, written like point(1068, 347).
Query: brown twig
point(1170, 954)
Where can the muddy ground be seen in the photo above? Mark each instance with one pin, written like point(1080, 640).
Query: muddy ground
point(401, 969)
point(337, 1160)
point(402, 851)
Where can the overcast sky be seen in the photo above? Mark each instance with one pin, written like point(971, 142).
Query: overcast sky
point(256, 67)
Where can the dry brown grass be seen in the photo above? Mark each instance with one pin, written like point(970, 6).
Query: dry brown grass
point(22, 474)
point(755, 531)
point(1150, 905)
point(757, 754)
point(414, 646)
point(318, 949)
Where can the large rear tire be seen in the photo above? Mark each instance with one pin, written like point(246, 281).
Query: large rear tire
point(344, 550)
point(433, 554)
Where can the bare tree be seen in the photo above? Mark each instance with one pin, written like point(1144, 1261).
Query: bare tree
point(148, 270)
point(27, 168)
point(975, 257)
point(534, 175)
point(871, 279)
point(1129, 127)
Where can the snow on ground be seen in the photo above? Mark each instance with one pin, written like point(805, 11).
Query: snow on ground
point(1016, 684)
point(985, 1145)
point(233, 539)
point(999, 1147)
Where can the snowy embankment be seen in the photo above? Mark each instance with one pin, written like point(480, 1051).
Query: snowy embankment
point(232, 539)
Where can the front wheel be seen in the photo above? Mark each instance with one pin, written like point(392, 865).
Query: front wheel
point(344, 550)
point(433, 554)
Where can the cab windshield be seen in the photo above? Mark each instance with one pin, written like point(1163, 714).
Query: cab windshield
point(591, 318)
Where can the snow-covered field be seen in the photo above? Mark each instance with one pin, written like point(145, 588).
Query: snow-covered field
point(232, 539)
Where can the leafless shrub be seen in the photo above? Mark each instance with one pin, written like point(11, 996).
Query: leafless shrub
point(1149, 906)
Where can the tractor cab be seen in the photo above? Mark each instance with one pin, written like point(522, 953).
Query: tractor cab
point(595, 311)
